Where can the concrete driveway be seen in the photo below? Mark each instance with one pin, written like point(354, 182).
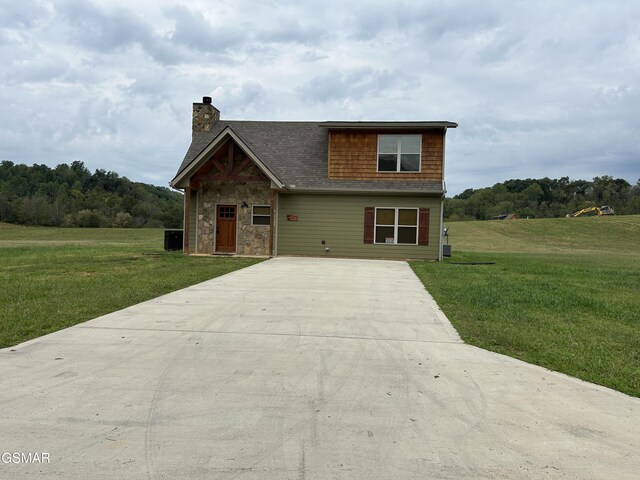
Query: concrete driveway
point(300, 368)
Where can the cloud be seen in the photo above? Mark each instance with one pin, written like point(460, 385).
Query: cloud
point(101, 29)
point(23, 14)
point(246, 100)
point(230, 42)
point(193, 30)
point(539, 89)
point(36, 70)
point(428, 21)
point(292, 30)
point(339, 86)
point(112, 30)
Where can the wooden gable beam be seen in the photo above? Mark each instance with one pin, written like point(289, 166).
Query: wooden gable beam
point(218, 165)
point(226, 170)
point(244, 164)
point(229, 158)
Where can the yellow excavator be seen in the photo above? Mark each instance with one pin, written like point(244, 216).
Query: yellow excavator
point(603, 210)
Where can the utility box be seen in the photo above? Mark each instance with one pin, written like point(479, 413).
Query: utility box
point(173, 240)
point(446, 250)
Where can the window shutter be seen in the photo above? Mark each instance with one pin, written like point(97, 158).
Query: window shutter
point(423, 226)
point(369, 218)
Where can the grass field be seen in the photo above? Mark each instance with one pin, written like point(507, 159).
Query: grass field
point(52, 278)
point(563, 293)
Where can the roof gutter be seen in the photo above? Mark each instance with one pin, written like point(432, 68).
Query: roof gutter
point(333, 191)
point(388, 125)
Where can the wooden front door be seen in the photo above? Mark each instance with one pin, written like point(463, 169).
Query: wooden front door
point(226, 229)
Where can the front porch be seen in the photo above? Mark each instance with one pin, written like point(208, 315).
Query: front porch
point(228, 206)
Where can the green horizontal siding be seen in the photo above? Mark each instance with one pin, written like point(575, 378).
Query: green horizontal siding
point(339, 221)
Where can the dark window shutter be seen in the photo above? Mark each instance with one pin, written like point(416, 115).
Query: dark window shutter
point(423, 226)
point(369, 218)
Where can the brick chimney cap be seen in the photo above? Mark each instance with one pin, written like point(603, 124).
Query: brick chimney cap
point(206, 100)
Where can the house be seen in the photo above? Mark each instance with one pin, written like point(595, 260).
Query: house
point(506, 216)
point(346, 189)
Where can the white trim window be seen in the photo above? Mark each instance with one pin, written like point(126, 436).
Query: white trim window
point(261, 215)
point(397, 226)
point(399, 153)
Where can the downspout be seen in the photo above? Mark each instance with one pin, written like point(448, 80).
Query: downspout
point(276, 201)
point(272, 204)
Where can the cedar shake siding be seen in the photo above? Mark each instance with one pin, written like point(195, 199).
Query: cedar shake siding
point(353, 155)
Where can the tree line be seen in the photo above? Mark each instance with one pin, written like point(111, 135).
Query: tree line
point(72, 196)
point(544, 197)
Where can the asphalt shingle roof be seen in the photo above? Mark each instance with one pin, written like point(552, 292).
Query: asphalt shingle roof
point(296, 153)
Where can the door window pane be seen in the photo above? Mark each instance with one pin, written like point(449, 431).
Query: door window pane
point(227, 212)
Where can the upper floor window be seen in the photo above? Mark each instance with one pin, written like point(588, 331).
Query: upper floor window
point(399, 153)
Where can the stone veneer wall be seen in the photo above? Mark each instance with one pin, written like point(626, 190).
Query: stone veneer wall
point(250, 239)
point(203, 117)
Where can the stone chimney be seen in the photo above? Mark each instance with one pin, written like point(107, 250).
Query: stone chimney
point(204, 115)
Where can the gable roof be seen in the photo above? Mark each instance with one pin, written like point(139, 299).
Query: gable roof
point(294, 155)
point(197, 154)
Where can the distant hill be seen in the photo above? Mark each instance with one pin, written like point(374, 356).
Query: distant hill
point(543, 198)
point(70, 195)
point(606, 235)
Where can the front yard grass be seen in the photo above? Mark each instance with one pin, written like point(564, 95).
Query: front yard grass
point(54, 278)
point(576, 311)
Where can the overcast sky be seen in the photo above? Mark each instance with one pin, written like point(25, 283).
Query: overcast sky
point(544, 88)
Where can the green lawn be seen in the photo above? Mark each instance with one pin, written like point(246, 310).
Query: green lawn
point(52, 278)
point(563, 293)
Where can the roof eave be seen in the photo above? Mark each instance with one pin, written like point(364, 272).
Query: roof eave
point(387, 125)
point(367, 191)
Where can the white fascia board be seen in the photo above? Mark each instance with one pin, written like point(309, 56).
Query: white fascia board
point(368, 191)
point(214, 145)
